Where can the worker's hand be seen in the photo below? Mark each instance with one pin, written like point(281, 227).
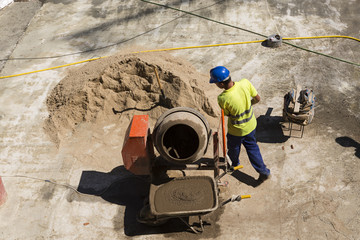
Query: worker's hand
point(255, 100)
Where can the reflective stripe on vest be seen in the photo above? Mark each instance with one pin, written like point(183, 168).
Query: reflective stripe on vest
point(234, 122)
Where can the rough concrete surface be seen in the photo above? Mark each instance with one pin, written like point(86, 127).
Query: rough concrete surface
point(314, 190)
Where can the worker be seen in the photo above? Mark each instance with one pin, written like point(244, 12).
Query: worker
point(236, 100)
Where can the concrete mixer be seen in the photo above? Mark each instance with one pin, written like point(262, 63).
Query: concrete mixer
point(181, 137)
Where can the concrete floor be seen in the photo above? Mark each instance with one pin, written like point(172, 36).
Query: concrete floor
point(314, 190)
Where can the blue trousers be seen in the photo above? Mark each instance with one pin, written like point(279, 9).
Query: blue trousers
point(252, 150)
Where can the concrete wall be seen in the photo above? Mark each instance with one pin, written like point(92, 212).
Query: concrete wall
point(4, 3)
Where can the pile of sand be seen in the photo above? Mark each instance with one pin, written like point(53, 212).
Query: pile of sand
point(125, 84)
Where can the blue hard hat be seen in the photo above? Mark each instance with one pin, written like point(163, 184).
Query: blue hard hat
point(219, 74)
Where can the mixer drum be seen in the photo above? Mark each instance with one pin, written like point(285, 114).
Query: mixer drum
point(181, 135)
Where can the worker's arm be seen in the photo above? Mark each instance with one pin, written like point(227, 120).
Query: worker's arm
point(255, 100)
point(222, 106)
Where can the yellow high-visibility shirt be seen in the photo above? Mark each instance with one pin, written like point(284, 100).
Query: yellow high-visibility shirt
point(236, 103)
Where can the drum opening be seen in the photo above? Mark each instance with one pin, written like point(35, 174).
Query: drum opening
point(181, 141)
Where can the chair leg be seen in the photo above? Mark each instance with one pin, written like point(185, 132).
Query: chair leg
point(302, 132)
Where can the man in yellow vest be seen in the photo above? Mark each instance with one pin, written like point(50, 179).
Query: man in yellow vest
point(236, 100)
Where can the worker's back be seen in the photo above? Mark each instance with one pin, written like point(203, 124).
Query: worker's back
point(236, 102)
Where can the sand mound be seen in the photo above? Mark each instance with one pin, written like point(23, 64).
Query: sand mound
point(125, 85)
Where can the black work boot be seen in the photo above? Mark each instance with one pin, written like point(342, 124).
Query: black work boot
point(263, 177)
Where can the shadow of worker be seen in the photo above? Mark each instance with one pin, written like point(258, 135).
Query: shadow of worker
point(269, 129)
point(244, 178)
point(349, 142)
point(119, 187)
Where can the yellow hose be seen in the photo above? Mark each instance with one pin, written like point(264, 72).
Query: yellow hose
point(46, 69)
point(177, 48)
point(333, 36)
point(202, 46)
